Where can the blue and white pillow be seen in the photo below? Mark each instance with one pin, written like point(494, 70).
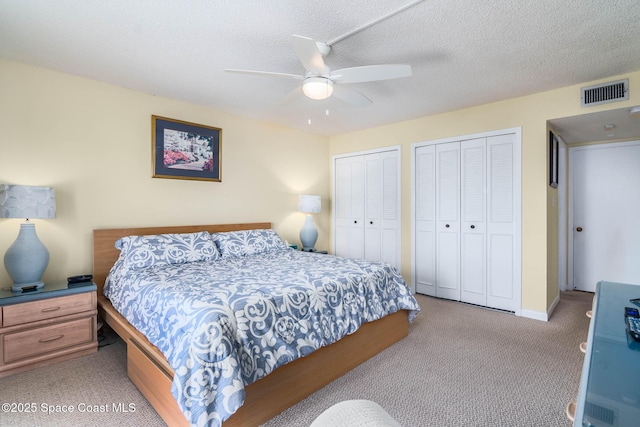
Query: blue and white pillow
point(248, 242)
point(163, 249)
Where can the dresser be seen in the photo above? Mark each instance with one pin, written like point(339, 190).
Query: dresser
point(609, 392)
point(54, 323)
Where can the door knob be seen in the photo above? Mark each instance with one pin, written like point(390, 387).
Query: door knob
point(473, 226)
point(447, 225)
point(579, 229)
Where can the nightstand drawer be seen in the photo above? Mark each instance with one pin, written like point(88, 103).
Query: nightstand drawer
point(21, 345)
point(46, 309)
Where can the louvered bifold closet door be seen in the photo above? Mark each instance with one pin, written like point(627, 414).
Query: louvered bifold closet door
point(425, 215)
point(382, 213)
point(466, 217)
point(349, 207)
point(342, 215)
point(372, 204)
point(473, 226)
point(367, 206)
point(501, 222)
point(390, 242)
point(448, 220)
point(356, 207)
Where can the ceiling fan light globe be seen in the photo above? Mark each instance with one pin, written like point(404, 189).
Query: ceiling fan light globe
point(317, 87)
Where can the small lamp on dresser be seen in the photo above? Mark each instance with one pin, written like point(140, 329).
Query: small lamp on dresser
point(309, 204)
point(27, 258)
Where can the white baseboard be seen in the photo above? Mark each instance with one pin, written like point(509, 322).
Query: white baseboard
point(554, 304)
point(539, 315)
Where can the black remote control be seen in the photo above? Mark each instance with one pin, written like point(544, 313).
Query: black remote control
point(632, 321)
point(80, 278)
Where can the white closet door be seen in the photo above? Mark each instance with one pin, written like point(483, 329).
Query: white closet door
point(448, 220)
point(373, 196)
point(473, 229)
point(390, 242)
point(501, 222)
point(466, 220)
point(356, 208)
point(349, 208)
point(425, 224)
point(342, 200)
point(367, 209)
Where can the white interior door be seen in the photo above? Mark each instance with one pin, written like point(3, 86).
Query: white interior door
point(604, 214)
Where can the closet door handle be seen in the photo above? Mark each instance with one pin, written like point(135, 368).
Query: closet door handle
point(371, 222)
point(473, 226)
point(355, 222)
point(447, 225)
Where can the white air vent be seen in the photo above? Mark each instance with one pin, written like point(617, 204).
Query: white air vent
point(604, 93)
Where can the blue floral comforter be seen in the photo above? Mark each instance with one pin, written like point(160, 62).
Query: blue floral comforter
point(226, 323)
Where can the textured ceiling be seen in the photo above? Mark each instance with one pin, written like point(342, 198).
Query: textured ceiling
point(463, 52)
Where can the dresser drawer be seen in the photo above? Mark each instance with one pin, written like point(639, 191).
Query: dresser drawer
point(46, 309)
point(33, 342)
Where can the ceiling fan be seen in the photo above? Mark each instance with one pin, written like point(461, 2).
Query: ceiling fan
point(320, 82)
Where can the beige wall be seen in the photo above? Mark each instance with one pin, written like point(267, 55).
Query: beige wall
point(92, 143)
point(539, 201)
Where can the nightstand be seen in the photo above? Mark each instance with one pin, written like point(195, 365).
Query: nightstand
point(51, 324)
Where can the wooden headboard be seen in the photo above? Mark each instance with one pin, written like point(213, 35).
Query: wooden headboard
point(105, 254)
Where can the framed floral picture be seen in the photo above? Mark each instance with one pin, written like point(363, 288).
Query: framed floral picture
point(183, 150)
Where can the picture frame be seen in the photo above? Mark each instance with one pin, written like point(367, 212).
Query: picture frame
point(184, 150)
point(553, 160)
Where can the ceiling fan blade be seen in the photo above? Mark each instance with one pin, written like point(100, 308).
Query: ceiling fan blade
point(309, 54)
point(265, 74)
point(350, 96)
point(371, 73)
point(293, 95)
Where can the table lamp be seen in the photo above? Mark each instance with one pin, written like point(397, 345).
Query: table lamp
point(27, 258)
point(308, 234)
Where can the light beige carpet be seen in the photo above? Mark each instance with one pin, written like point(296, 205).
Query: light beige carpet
point(461, 365)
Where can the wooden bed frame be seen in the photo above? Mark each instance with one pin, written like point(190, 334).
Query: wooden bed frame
point(150, 372)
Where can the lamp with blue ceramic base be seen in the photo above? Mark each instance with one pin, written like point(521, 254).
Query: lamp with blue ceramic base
point(309, 234)
point(27, 258)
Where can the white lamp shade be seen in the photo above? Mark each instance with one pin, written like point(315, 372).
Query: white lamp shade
point(309, 203)
point(317, 87)
point(23, 201)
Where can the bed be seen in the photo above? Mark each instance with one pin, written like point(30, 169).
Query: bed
point(288, 381)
